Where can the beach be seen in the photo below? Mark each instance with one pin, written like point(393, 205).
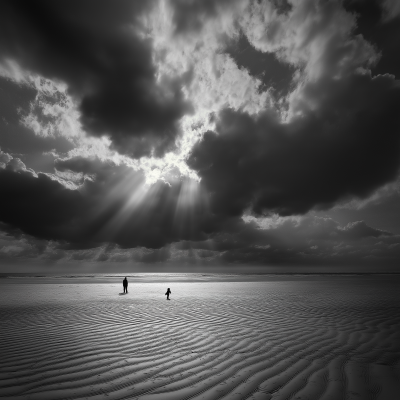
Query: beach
point(259, 338)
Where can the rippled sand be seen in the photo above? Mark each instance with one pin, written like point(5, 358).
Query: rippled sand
point(304, 339)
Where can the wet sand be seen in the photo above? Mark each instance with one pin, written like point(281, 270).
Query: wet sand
point(289, 339)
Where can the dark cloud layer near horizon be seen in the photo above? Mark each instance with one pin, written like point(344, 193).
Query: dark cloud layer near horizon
point(98, 49)
point(54, 212)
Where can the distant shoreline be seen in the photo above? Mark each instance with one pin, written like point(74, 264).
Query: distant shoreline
point(27, 278)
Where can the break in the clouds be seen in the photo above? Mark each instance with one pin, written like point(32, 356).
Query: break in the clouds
point(200, 132)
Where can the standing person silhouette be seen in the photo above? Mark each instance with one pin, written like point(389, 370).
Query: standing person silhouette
point(168, 293)
point(125, 284)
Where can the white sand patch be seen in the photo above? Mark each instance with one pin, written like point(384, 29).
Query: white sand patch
point(213, 340)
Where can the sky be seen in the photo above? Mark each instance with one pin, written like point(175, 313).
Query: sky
point(199, 135)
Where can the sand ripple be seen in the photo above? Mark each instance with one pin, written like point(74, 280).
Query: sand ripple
point(266, 340)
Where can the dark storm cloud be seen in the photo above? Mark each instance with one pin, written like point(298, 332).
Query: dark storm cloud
point(308, 241)
point(96, 48)
point(379, 28)
point(100, 211)
point(360, 229)
point(15, 244)
point(378, 212)
point(348, 145)
point(153, 256)
point(38, 206)
point(317, 230)
point(264, 66)
point(189, 16)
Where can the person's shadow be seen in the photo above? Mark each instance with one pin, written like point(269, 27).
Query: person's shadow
point(123, 294)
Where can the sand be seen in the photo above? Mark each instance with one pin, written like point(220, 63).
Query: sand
point(292, 339)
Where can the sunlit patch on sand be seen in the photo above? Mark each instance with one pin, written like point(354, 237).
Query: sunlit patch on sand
point(213, 340)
